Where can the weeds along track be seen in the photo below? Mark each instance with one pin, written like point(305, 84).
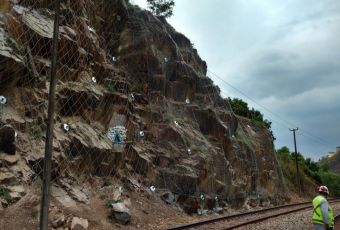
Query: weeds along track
point(243, 219)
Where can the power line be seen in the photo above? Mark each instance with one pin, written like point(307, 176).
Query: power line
point(303, 131)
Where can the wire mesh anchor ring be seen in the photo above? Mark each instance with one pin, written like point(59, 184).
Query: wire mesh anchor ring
point(3, 100)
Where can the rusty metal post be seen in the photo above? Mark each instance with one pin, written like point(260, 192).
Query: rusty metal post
point(50, 124)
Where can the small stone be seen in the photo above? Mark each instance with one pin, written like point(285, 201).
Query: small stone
point(122, 217)
point(120, 207)
point(218, 210)
point(79, 224)
point(8, 178)
point(117, 193)
point(202, 212)
point(17, 189)
point(9, 159)
point(58, 220)
point(168, 197)
point(120, 213)
point(3, 203)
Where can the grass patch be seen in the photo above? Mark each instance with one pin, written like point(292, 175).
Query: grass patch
point(168, 117)
point(187, 141)
point(4, 192)
point(34, 214)
point(181, 169)
point(109, 203)
point(111, 87)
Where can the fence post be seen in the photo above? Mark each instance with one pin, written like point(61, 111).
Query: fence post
point(50, 124)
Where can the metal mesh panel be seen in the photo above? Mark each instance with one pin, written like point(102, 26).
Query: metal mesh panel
point(111, 96)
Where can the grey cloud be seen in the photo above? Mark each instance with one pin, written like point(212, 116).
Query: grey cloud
point(284, 75)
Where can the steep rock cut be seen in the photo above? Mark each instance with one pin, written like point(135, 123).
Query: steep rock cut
point(133, 103)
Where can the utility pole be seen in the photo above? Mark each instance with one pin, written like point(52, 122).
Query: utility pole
point(45, 201)
point(296, 161)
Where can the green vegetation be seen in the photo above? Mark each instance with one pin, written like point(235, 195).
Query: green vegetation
point(332, 181)
point(311, 172)
point(241, 108)
point(4, 193)
point(109, 203)
point(161, 8)
point(111, 87)
point(181, 169)
point(187, 141)
point(34, 214)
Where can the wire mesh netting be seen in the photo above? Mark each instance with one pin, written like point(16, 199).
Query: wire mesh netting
point(134, 108)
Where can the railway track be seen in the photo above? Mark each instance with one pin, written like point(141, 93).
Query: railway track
point(243, 219)
point(337, 220)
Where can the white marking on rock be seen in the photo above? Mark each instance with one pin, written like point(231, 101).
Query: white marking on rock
point(3, 100)
point(66, 127)
point(91, 29)
point(153, 188)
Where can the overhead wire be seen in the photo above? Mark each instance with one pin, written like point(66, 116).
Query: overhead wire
point(284, 122)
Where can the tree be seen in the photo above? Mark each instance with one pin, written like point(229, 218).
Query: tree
point(312, 165)
point(239, 107)
point(284, 153)
point(161, 8)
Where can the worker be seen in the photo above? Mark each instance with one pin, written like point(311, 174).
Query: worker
point(322, 216)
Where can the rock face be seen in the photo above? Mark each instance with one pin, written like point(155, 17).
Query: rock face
point(7, 138)
point(133, 100)
point(79, 224)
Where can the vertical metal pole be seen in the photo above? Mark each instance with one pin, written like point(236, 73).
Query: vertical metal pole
point(50, 123)
point(296, 161)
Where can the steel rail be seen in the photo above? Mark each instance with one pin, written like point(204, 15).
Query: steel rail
point(223, 218)
point(273, 216)
point(337, 220)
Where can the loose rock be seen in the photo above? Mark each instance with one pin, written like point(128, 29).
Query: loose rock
point(120, 213)
point(79, 224)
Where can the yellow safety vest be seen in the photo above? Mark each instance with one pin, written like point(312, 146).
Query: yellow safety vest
point(317, 214)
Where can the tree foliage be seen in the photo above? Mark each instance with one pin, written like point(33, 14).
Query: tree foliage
point(318, 171)
point(162, 8)
point(241, 108)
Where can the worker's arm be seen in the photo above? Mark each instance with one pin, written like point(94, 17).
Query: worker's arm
point(324, 211)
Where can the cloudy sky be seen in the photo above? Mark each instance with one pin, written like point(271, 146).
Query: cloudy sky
point(284, 57)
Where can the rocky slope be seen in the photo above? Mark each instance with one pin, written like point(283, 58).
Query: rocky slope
point(135, 112)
